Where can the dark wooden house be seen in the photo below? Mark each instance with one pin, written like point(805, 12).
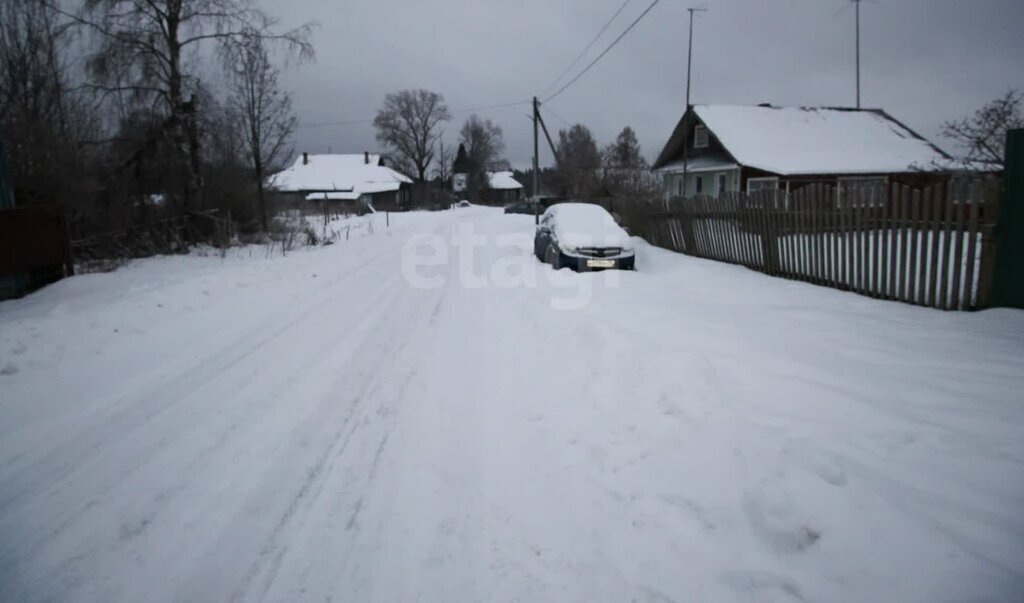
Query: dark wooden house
point(727, 148)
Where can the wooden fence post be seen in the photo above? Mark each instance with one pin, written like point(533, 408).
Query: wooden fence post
point(1007, 282)
point(947, 241)
point(769, 244)
point(914, 291)
point(969, 299)
point(986, 271)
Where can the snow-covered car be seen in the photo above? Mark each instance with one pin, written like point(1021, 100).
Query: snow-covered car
point(522, 207)
point(463, 203)
point(582, 236)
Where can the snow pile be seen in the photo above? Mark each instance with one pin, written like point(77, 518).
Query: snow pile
point(808, 140)
point(503, 181)
point(585, 225)
point(354, 173)
point(318, 427)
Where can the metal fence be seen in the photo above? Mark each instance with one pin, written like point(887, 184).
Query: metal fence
point(932, 247)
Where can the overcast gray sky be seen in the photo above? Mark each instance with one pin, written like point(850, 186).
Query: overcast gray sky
point(925, 61)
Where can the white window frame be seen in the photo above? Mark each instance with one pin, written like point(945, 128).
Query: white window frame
point(701, 136)
point(844, 181)
point(721, 182)
point(772, 179)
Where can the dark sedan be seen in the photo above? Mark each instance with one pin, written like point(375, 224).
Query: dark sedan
point(523, 207)
point(582, 236)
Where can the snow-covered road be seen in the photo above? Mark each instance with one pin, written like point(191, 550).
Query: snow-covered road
point(425, 413)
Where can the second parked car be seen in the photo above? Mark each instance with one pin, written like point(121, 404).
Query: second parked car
point(582, 236)
point(522, 207)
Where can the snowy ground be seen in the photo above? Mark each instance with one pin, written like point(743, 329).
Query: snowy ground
point(376, 421)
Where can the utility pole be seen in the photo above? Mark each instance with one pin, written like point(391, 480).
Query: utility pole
point(536, 162)
point(444, 168)
point(689, 68)
point(856, 4)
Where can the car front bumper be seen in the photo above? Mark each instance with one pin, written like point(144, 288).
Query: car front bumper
point(594, 264)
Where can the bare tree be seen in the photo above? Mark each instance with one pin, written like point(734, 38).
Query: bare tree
point(263, 109)
point(982, 136)
point(578, 161)
point(624, 153)
point(625, 169)
point(408, 124)
point(441, 171)
point(40, 114)
point(142, 48)
point(484, 143)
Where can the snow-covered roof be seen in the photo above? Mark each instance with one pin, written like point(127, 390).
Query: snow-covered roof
point(333, 196)
point(503, 181)
point(814, 140)
point(339, 173)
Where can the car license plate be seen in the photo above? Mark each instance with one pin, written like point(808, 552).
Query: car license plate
point(600, 263)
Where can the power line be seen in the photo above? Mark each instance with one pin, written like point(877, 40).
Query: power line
point(356, 122)
point(559, 117)
point(606, 50)
point(588, 47)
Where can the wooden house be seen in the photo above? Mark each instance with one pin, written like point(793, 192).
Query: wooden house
point(728, 148)
point(361, 181)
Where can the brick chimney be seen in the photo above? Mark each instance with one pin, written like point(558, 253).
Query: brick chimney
point(305, 159)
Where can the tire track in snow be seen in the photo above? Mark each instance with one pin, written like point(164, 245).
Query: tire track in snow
point(19, 551)
point(152, 403)
point(266, 567)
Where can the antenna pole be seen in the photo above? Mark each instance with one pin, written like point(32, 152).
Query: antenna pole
point(536, 161)
point(689, 69)
point(689, 59)
point(857, 10)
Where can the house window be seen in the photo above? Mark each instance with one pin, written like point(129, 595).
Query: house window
point(679, 185)
point(722, 183)
point(700, 137)
point(759, 184)
point(699, 184)
point(864, 192)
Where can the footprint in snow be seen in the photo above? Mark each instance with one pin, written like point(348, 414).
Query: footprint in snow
point(19, 348)
point(9, 369)
point(777, 526)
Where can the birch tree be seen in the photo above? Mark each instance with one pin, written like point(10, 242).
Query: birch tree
point(143, 47)
point(263, 109)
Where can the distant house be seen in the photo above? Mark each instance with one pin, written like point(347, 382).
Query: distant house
point(726, 148)
point(501, 186)
point(360, 180)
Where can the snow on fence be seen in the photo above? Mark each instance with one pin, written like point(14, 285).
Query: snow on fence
point(932, 247)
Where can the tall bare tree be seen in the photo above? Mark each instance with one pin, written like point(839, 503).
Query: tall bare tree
point(578, 161)
point(484, 143)
point(408, 123)
point(625, 169)
point(142, 50)
point(624, 153)
point(263, 108)
point(40, 115)
point(982, 136)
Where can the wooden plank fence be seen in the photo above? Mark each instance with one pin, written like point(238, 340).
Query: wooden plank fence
point(932, 247)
